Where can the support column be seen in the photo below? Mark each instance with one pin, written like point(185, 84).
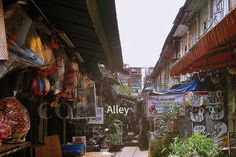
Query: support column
point(3, 42)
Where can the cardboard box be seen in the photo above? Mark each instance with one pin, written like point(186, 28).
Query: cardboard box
point(42, 151)
point(54, 145)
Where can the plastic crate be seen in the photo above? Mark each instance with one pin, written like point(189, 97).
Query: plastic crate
point(73, 149)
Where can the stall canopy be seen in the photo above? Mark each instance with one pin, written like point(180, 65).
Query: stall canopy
point(216, 49)
point(185, 87)
point(91, 26)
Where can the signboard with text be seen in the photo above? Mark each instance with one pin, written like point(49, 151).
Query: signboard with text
point(99, 119)
point(157, 105)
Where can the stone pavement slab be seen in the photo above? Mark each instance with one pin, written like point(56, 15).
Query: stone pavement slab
point(125, 152)
point(98, 154)
point(131, 152)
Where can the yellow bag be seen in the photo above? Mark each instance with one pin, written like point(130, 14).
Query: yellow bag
point(43, 52)
point(37, 47)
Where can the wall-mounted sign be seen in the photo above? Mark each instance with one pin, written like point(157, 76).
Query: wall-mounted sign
point(220, 129)
point(195, 99)
point(85, 107)
point(199, 128)
point(99, 119)
point(157, 105)
point(197, 114)
point(216, 112)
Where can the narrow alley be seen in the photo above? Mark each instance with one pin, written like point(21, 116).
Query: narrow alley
point(117, 78)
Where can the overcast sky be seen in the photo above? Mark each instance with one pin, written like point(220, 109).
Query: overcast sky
point(144, 26)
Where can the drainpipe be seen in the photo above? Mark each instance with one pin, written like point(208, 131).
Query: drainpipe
point(3, 42)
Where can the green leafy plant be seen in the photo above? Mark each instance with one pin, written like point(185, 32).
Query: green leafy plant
point(166, 121)
point(114, 126)
point(155, 148)
point(195, 146)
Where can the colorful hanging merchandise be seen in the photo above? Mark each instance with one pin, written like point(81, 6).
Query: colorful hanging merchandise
point(54, 41)
point(26, 53)
point(42, 51)
point(41, 86)
point(14, 121)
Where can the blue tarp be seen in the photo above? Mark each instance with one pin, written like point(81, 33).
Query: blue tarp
point(187, 86)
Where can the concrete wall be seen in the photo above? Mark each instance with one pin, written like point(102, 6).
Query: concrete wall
point(231, 102)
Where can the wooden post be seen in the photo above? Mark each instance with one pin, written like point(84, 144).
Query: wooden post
point(3, 42)
point(64, 131)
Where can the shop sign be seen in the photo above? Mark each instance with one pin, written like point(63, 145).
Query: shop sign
point(157, 105)
point(199, 128)
point(86, 106)
point(197, 114)
point(220, 129)
point(195, 99)
point(216, 112)
point(99, 119)
point(215, 98)
point(201, 98)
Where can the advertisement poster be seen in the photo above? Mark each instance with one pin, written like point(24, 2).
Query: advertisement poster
point(207, 112)
point(86, 106)
point(156, 105)
point(99, 119)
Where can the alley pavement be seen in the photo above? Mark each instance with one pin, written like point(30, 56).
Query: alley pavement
point(125, 152)
point(99, 154)
point(131, 152)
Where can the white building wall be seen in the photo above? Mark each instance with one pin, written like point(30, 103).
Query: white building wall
point(210, 16)
point(232, 4)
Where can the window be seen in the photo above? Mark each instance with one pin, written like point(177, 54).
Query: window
point(185, 48)
point(204, 25)
point(219, 6)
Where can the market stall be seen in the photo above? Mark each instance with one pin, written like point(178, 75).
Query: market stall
point(184, 113)
point(48, 80)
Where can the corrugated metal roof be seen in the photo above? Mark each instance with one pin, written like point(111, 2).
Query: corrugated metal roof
point(74, 18)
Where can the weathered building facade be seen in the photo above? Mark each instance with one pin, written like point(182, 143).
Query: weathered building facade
point(202, 41)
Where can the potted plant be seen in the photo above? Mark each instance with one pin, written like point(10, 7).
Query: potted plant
point(115, 134)
point(195, 146)
point(115, 131)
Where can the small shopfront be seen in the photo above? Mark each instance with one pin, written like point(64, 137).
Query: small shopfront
point(183, 111)
point(51, 98)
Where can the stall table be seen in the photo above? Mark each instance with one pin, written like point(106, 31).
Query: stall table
point(7, 149)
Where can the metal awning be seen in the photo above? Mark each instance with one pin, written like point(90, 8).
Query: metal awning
point(216, 49)
point(91, 25)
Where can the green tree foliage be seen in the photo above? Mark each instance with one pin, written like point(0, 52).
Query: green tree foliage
point(123, 90)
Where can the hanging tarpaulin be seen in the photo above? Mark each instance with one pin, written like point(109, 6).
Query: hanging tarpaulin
point(159, 104)
point(3, 42)
point(187, 86)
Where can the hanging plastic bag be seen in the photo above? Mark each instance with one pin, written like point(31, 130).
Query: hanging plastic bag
point(37, 47)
